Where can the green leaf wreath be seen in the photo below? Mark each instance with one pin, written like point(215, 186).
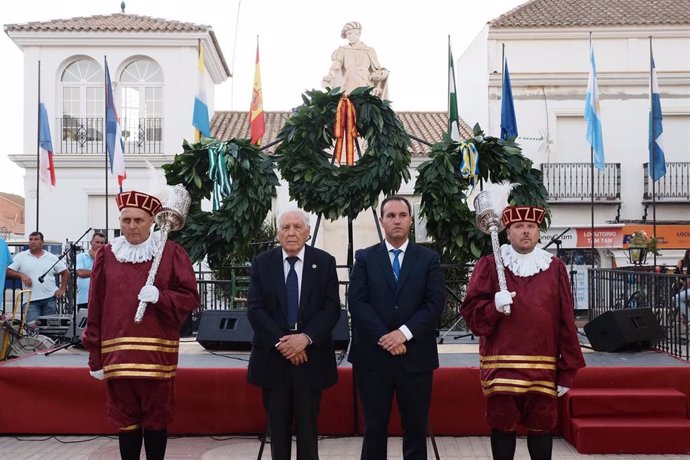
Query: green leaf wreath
point(443, 192)
point(304, 157)
point(227, 230)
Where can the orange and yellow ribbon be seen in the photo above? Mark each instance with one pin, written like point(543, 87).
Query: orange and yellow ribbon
point(345, 129)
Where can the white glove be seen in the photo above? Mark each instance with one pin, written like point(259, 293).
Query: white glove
point(149, 294)
point(503, 299)
point(98, 375)
point(561, 390)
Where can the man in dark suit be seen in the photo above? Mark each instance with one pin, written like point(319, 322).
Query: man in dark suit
point(396, 297)
point(293, 305)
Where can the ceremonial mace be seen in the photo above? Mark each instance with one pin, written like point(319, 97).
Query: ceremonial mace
point(489, 206)
point(169, 219)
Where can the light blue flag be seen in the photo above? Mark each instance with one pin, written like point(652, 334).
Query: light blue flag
point(508, 122)
point(657, 161)
point(593, 114)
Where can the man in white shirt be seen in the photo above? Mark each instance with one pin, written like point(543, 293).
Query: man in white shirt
point(28, 266)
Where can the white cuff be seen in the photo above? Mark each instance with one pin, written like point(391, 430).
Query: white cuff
point(98, 375)
point(406, 332)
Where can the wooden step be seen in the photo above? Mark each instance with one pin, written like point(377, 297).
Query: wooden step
point(631, 435)
point(603, 402)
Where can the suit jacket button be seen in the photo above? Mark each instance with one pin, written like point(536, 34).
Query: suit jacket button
point(395, 307)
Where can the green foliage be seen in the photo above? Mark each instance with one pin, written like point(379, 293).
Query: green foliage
point(443, 190)
point(304, 157)
point(228, 231)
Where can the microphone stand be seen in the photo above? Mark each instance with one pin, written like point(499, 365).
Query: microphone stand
point(557, 240)
point(72, 250)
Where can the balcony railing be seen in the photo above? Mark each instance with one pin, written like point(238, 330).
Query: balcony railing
point(572, 182)
point(673, 186)
point(86, 135)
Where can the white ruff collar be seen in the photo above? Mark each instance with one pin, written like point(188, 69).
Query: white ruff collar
point(525, 265)
point(136, 253)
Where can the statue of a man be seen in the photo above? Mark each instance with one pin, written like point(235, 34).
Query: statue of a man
point(356, 65)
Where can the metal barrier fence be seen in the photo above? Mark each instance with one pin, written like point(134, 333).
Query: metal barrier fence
point(614, 289)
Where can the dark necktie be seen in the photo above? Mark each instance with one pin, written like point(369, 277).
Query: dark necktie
point(396, 264)
point(292, 293)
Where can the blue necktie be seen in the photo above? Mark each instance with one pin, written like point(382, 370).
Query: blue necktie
point(292, 293)
point(396, 264)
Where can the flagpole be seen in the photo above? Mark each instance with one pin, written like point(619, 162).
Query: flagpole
point(652, 166)
point(38, 146)
point(591, 183)
point(105, 141)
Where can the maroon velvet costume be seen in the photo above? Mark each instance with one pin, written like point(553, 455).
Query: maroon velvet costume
point(525, 355)
point(146, 352)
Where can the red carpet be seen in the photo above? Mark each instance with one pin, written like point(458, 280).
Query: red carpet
point(65, 400)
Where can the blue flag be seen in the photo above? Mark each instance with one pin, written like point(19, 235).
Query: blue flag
point(508, 122)
point(593, 115)
point(657, 161)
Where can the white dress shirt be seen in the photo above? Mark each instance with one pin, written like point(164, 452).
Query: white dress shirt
point(404, 329)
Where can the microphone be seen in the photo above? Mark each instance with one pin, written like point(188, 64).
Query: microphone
point(41, 278)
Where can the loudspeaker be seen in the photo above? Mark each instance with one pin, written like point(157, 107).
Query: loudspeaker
point(230, 330)
point(82, 314)
point(225, 330)
point(630, 328)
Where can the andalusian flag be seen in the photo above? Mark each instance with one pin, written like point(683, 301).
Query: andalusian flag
point(200, 116)
point(257, 123)
point(453, 117)
point(657, 159)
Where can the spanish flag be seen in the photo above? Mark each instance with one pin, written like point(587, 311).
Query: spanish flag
point(257, 123)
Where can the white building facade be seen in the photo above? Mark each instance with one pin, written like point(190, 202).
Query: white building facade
point(547, 49)
point(153, 65)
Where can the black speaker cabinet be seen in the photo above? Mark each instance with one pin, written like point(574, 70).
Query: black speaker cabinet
point(630, 328)
point(230, 330)
point(225, 330)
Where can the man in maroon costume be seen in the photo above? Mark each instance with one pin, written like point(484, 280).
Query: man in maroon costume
point(138, 360)
point(529, 353)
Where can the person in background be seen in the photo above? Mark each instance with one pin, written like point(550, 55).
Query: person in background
point(682, 298)
point(396, 297)
point(5, 261)
point(293, 305)
point(84, 267)
point(529, 352)
point(30, 267)
point(138, 360)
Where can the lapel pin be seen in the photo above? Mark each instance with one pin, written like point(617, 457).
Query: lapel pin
point(313, 266)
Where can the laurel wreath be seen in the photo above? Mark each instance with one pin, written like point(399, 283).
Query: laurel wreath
point(218, 234)
point(305, 162)
point(444, 190)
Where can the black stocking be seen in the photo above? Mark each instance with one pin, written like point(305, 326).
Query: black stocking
point(502, 444)
point(539, 446)
point(155, 442)
point(130, 444)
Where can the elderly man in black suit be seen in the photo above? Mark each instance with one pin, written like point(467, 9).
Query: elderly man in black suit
point(396, 297)
point(293, 305)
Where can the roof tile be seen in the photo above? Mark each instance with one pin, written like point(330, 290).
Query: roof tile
point(595, 13)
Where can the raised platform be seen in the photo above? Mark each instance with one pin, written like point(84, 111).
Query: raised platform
point(55, 394)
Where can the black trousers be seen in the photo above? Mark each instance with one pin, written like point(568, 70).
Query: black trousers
point(293, 400)
point(413, 393)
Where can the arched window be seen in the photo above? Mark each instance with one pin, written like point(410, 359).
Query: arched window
point(82, 106)
point(141, 92)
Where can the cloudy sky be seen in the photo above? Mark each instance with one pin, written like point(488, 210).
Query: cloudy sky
point(297, 38)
